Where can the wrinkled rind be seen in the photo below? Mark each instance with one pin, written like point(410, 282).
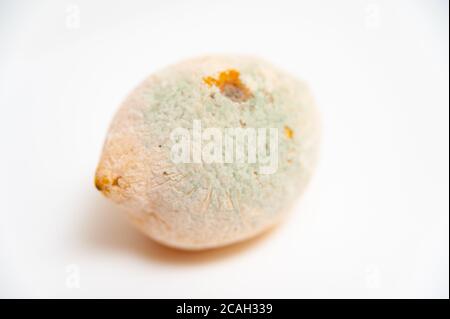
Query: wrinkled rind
point(198, 206)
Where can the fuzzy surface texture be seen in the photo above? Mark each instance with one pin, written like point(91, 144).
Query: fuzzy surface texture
point(207, 205)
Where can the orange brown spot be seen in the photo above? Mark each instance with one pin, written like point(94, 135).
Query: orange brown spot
point(101, 182)
point(288, 132)
point(115, 181)
point(230, 85)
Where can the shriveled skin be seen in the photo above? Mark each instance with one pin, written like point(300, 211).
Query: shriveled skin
point(199, 206)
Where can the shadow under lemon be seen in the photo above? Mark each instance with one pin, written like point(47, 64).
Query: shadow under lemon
point(107, 228)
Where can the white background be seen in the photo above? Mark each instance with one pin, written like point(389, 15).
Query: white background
point(373, 223)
